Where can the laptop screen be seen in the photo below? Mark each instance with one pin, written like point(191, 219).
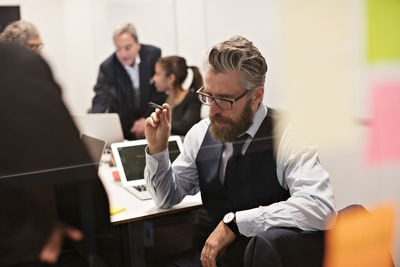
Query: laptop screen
point(133, 159)
point(94, 146)
point(104, 126)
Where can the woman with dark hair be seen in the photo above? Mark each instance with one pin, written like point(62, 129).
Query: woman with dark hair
point(171, 76)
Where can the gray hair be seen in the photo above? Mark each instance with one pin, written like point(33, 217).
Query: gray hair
point(20, 32)
point(126, 28)
point(239, 54)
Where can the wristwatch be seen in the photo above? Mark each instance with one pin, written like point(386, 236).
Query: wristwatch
point(230, 221)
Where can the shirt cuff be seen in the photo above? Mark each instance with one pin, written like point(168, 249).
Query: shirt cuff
point(248, 221)
point(152, 161)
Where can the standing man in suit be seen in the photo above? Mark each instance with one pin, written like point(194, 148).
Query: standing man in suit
point(124, 82)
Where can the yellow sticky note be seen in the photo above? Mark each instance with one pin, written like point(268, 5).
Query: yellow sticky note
point(115, 209)
point(383, 22)
point(361, 238)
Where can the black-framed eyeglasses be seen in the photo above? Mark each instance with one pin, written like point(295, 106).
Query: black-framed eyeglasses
point(221, 102)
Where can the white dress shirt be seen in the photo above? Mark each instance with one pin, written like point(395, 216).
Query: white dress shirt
point(133, 72)
point(311, 202)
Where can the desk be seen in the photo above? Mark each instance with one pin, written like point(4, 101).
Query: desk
point(136, 211)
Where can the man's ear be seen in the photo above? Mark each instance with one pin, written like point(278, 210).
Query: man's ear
point(258, 94)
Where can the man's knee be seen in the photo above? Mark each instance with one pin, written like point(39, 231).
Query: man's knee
point(285, 247)
point(261, 250)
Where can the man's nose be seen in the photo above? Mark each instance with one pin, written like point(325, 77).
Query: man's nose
point(214, 109)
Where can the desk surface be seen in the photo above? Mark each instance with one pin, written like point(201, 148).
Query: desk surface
point(137, 209)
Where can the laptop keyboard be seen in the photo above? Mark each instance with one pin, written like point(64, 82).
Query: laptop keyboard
point(139, 191)
point(140, 188)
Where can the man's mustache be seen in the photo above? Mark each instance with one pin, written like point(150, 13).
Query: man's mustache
point(219, 118)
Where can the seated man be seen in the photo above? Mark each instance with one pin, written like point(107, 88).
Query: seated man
point(230, 158)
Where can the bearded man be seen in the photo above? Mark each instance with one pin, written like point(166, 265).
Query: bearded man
point(247, 188)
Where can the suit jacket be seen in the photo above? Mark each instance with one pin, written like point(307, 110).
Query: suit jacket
point(37, 133)
point(114, 89)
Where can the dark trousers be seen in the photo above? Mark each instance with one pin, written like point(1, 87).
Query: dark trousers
point(277, 247)
point(233, 256)
point(285, 247)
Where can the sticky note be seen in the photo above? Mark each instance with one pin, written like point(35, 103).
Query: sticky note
point(384, 132)
point(318, 83)
point(116, 176)
point(361, 238)
point(116, 209)
point(383, 24)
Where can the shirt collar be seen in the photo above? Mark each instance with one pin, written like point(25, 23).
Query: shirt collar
point(137, 62)
point(257, 120)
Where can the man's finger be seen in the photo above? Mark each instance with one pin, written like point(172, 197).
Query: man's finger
point(155, 117)
point(72, 233)
point(52, 248)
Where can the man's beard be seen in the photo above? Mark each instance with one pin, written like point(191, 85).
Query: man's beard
point(230, 132)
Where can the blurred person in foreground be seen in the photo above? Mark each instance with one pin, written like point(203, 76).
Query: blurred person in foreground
point(248, 189)
point(23, 33)
point(38, 135)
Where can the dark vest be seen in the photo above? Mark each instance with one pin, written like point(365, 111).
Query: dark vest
point(254, 184)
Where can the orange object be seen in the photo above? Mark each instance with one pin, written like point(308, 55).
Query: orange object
point(361, 238)
point(116, 176)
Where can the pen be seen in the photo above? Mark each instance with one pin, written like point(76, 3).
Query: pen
point(154, 105)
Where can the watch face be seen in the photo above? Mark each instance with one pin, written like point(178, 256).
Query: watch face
point(229, 217)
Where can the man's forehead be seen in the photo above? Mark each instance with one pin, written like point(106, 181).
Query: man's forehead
point(222, 83)
point(124, 39)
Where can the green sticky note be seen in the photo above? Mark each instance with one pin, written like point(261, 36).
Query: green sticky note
point(383, 30)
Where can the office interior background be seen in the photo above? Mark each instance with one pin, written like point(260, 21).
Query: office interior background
point(314, 44)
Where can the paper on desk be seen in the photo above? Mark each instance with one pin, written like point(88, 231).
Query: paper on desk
point(361, 238)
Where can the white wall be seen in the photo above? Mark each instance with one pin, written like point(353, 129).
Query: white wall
point(77, 38)
point(77, 34)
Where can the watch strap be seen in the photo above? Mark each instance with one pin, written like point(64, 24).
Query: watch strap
point(233, 226)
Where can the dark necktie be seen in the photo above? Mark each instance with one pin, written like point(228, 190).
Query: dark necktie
point(234, 159)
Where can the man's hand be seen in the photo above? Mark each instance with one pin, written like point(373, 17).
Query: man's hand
point(138, 128)
point(157, 129)
point(219, 239)
point(52, 248)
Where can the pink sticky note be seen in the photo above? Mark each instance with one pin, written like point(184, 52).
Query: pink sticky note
point(384, 131)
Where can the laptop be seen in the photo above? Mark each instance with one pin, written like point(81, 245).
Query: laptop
point(94, 146)
point(104, 126)
point(131, 160)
